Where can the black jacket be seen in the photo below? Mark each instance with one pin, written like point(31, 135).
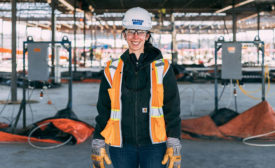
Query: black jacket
point(135, 99)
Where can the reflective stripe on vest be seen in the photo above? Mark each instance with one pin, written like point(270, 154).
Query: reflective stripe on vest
point(113, 73)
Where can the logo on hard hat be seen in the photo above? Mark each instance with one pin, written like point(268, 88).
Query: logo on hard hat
point(137, 22)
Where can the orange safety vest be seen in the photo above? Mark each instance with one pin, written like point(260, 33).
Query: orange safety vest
point(113, 73)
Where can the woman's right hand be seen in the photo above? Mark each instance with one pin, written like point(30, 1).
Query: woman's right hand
point(99, 154)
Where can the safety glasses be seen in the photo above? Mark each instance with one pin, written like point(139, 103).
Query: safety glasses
point(132, 32)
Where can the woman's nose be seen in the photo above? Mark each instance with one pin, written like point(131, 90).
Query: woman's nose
point(135, 35)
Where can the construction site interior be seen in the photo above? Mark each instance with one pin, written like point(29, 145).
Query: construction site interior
point(222, 53)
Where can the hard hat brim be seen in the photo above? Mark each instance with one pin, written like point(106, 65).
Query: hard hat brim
point(136, 27)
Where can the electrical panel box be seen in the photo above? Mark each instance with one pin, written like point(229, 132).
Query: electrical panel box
point(38, 68)
point(231, 61)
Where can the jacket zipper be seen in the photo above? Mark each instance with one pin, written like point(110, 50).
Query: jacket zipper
point(136, 102)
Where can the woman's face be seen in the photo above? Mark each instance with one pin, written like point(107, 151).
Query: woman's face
point(136, 40)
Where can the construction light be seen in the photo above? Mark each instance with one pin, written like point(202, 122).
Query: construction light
point(250, 17)
point(237, 5)
point(67, 25)
point(224, 9)
point(44, 25)
point(68, 5)
point(244, 3)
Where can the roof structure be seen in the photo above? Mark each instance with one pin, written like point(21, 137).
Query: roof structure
point(191, 16)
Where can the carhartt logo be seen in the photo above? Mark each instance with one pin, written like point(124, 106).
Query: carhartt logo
point(144, 110)
point(137, 22)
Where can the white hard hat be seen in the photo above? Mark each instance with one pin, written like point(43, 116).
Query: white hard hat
point(137, 18)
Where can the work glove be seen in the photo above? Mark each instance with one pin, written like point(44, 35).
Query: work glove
point(173, 153)
point(99, 154)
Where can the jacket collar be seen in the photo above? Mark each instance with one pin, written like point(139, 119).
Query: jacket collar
point(150, 54)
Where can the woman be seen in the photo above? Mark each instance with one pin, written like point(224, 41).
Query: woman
point(138, 104)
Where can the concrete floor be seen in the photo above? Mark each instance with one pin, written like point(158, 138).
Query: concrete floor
point(196, 154)
point(196, 100)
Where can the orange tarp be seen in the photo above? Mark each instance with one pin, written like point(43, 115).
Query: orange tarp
point(257, 120)
point(79, 130)
point(201, 126)
point(8, 137)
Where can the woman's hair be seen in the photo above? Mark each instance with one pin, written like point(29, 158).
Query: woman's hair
point(149, 41)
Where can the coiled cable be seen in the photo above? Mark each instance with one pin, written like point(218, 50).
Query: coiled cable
point(47, 147)
point(258, 136)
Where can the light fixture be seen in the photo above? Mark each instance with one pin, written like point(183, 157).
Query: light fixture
point(43, 25)
point(237, 5)
point(224, 9)
point(248, 17)
point(68, 5)
point(251, 16)
point(67, 25)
